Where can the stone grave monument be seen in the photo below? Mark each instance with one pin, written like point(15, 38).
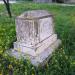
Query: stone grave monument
point(35, 36)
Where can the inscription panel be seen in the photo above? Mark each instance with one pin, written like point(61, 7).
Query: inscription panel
point(25, 32)
point(46, 28)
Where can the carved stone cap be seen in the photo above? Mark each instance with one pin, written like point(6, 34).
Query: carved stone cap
point(35, 14)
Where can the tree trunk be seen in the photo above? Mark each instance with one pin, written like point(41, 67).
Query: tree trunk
point(7, 4)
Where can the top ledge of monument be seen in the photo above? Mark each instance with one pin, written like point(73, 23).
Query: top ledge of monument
point(35, 14)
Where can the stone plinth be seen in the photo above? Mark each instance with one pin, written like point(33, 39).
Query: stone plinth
point(35, 36)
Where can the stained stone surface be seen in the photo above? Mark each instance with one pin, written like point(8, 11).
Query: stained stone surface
point(34, 26)
point(35, 36)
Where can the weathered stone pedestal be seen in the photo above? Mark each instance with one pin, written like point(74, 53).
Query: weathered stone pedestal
point(36, 38)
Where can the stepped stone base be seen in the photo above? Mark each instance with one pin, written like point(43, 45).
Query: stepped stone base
point(40, 58)
point(35, 50)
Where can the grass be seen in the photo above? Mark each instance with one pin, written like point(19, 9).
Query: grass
point(62, 61)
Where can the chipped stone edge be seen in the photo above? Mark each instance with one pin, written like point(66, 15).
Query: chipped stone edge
point(36, 61)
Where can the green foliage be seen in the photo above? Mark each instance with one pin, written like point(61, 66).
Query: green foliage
point(62, 61)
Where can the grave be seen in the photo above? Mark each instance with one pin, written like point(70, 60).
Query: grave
point(36, 38)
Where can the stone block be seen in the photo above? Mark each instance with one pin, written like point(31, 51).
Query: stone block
point(36, 37)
